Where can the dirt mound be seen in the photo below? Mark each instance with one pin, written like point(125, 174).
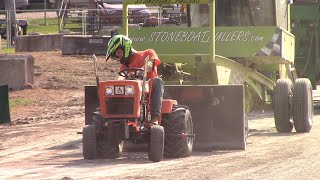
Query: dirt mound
point(58, 89)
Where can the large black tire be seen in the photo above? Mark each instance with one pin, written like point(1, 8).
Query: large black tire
point(89, 142)
point(282, 105)
point(302, 105)
point(156, 143)
point(105, 147)
point(108, 150)
point(175, 123)
point(109, 144)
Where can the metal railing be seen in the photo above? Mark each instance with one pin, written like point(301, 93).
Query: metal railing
point(27, 21)
point(80, 21)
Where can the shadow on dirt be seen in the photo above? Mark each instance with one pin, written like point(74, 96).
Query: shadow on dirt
point(132, 158)
point(259, 114)
point(68, 146)
point(70, 154)
point(257, 132)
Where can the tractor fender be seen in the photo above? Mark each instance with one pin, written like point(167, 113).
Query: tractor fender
point(91, 102)
point(167, 105)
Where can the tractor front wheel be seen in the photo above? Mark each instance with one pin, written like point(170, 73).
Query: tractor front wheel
point(89, 142)
point(156, 143)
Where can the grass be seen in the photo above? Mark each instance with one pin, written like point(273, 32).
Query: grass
point(48, 26)
point(39, 26)
point(19, 102)
point(8, 50)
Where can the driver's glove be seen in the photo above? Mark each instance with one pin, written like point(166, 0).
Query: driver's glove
point(149, 66)
point(140, 73)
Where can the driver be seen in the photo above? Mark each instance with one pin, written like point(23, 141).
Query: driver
point(119, 47)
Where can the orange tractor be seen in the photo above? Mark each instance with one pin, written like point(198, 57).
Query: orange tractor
point(123, 113)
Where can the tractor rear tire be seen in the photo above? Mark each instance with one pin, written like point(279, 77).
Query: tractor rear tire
point(89, 142)
point(177, 123)
point(107, 150)
point(110, 146)
point(282, 107)
point(302, 105)
point(156, 143)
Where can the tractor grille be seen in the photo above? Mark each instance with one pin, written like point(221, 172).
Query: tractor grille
point(119, 105)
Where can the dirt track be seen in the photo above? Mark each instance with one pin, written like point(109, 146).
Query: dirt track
point(42, 141)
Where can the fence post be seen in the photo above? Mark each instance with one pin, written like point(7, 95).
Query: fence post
point(4, 104)
point(45, 13)
point(0, 45)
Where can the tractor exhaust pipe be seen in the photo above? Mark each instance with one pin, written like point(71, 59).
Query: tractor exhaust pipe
point(145, 72)
point(95, 62)
point(92, 95)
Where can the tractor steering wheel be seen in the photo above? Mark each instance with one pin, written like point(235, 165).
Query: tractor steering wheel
point(131, 73)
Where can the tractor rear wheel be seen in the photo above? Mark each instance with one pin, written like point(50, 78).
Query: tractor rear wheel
point(89, 142)
point(108, 150)
point(110, 146)
point(302, 105)
point(156, 143)
point(176, 124)
point(282, 107)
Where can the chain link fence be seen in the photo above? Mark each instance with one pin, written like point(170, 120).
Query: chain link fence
point(27, 22)
point(42, 18)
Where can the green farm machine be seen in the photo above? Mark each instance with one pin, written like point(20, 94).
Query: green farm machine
point(224, 58)
point(305, 26)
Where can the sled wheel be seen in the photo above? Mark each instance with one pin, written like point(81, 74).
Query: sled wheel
point(155, 149)
point(89, 142)
point(176, 123)
point(282, 107)
point(302, 105)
